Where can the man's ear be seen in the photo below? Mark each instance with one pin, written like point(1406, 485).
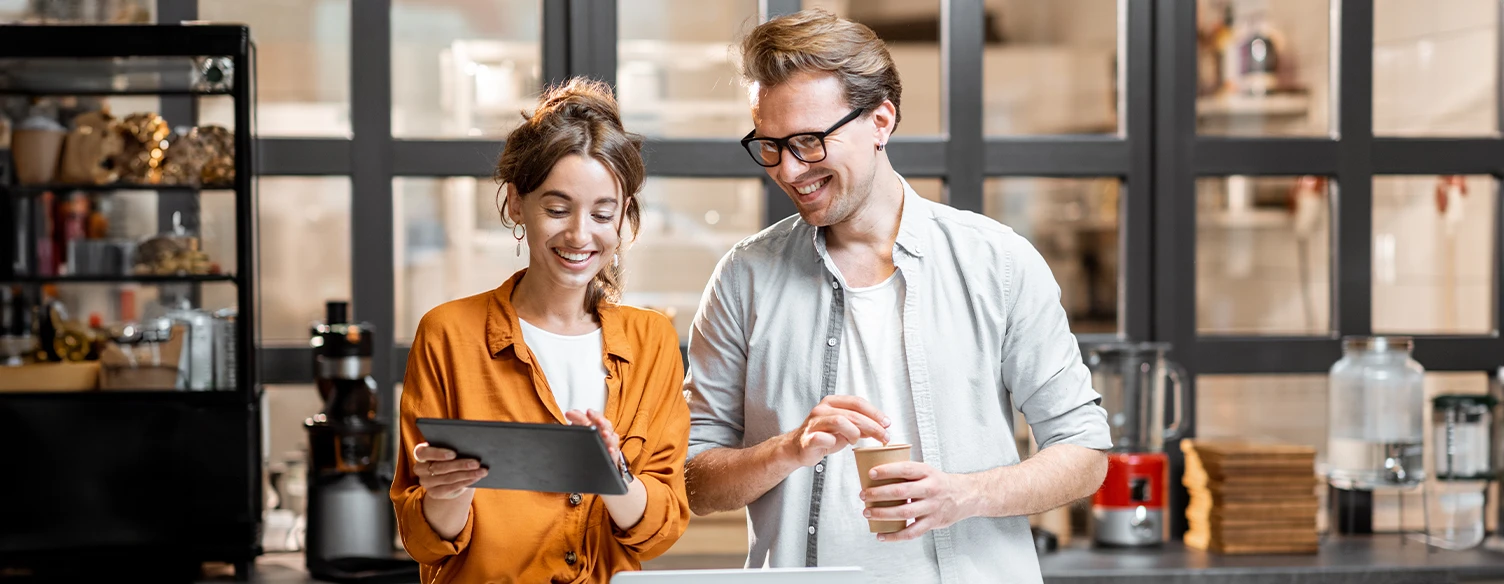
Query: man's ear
point(885, 117)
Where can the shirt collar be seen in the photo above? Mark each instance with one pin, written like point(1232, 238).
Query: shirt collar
point(504, 330)
point(911, 223)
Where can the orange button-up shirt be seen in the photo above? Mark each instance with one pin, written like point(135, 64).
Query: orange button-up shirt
point(468, 361)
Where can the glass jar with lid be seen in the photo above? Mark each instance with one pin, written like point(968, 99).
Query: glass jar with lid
point(1375, 411)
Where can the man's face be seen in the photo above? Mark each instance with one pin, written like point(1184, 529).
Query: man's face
point(832, 190)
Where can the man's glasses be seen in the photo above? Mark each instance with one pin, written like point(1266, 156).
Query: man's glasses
point(808, 147)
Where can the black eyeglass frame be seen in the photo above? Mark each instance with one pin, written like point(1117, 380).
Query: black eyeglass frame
point(783, 143)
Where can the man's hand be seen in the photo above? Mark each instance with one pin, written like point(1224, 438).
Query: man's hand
point(839, 421)
point(935, 499)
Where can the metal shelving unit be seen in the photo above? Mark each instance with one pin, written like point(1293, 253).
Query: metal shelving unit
point(155, 481)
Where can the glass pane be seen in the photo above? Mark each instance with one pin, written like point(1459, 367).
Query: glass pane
point(295, 215)
point(1263, 255)
point(929, 188)
point(1264, 67)
point(1433, 254)
point(1293, 409)
point(1435, 68)
point(75, 233)
point(1073, 222)
point(464, 68)
point(449, 243)
point(78, 12)
point(302, 65)
point(675, 76)
point(911, 29)
point(1050, 67)
point(687, 225)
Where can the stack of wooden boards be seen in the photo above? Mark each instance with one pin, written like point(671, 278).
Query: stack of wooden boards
point(1250, 498)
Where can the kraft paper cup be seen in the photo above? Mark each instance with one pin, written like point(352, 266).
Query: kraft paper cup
point(866, 459)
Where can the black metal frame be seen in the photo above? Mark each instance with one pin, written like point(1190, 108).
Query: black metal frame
point(1157, 154)
point(226, 516)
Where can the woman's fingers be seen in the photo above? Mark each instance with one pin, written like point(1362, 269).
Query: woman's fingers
point(443, 468)
point(577, 418)
point(463, 478)
point(425, 453)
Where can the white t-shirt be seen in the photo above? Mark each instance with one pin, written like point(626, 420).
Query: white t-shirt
point(573, 366)
point(872, 366)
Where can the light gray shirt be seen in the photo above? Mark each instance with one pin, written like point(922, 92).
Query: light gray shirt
point(984, 335)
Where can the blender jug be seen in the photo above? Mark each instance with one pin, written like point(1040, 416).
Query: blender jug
point(1131, 377)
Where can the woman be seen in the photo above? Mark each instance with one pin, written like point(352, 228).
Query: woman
point(551, 345)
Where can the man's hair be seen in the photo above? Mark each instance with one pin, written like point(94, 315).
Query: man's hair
point(814, 40)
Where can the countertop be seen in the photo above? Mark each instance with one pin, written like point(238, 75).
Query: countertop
point(1379, 559)
point(1376, 559)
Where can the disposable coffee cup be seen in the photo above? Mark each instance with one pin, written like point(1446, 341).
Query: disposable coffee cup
point(866, 459)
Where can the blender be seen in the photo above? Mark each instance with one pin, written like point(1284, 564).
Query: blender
point(350, 517)
point(1129, 509)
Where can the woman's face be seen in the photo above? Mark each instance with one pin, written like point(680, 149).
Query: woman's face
point(573, 221)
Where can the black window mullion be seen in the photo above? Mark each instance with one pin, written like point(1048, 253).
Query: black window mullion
point(556, 41)
point(372, 276)
point(961, 79)
point(1216, 156)
point(776, 204)
point(1174, 202)
point(1353, 236)
point(592, 39)
point(1136, 235)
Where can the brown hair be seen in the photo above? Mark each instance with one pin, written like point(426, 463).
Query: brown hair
point(578, 117)
point(815, 40)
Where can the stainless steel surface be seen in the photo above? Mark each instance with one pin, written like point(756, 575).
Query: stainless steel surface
point(1140, 526)
point(348, 518)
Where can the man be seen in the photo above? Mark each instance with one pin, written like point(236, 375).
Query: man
point(878, 316)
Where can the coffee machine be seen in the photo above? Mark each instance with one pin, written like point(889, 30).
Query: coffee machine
point(350, 520)
point(1129, 509)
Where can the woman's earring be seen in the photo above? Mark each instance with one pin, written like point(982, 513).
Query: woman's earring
point(880, 146)
point(616, 260)
point(519, 237)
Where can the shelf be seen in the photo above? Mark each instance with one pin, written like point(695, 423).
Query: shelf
point(64, 92)
point(144, 279)
point(207, 398)
point(132, 40)
point(34, 189)
point(1274, 104)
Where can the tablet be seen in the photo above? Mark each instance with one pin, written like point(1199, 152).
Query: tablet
point(552, 458)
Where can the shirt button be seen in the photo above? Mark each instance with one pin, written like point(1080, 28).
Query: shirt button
point(811, 530)
point(570, 558)
point(835, 284)
point(820, 468)
point(830, 342)
point(574, 499)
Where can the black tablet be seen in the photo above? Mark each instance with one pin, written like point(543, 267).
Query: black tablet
point(552, 458)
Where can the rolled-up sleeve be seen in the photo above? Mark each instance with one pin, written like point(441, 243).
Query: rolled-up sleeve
point(1042, 367)
point(666, 515)
point(422, 397)
point(716, 382)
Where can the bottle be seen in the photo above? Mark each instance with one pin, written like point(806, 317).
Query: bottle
point(1376, 406)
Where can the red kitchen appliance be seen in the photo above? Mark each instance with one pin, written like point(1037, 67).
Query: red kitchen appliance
point(1129, 509)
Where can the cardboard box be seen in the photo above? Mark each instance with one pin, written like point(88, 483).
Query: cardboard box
point(34, 377)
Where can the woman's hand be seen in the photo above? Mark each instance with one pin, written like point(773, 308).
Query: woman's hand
point(595, 420)
point(441, 475)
